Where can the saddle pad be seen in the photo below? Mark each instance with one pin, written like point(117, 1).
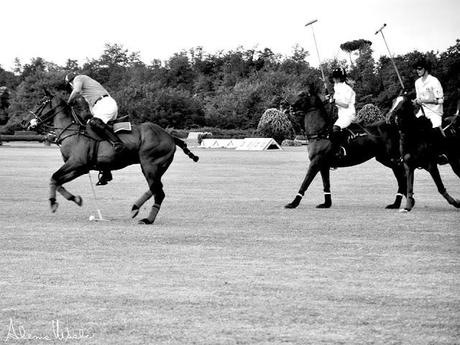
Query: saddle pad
point(122, 126)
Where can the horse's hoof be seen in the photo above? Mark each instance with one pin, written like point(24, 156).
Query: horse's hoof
point(54, 207)
point(78, 200)
point(404, 210)
point(392, 207)
point(457, 203)
point(294, 203)
point(144, 221)
point(134, 211)
point(325, 205)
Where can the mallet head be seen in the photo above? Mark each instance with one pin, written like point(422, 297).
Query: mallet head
point(311, 22)
point(383, 26)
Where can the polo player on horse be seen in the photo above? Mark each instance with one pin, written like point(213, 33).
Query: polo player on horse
point(103, 108)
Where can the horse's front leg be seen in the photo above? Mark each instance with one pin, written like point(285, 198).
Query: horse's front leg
point(434, 172)
point(313, 169)
point(398, 171)
point(66, 173)
point(410, 201)
point(325, 175)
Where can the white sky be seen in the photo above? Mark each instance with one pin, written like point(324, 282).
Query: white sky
point(57, 30)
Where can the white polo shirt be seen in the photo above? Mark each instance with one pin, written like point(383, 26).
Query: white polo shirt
point(430, 89)
point(345, 94)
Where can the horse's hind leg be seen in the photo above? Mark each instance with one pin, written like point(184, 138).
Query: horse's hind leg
point(455, 165)
point(141, 201)
point(434, 172)
point(153, 171)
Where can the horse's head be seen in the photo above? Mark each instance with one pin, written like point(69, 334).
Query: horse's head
point(46, 111)
point(307, 101)
point(309, 106)
point(402, 112)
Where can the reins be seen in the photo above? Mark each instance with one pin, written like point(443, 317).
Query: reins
point(51, 130)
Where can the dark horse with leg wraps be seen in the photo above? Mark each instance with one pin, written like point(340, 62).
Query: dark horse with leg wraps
point(380, 140)
point(419, 150)
point(147, 144)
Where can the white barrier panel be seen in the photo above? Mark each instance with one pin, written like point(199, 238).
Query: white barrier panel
point(195, 135)
point(221, 143)
point(259, 144)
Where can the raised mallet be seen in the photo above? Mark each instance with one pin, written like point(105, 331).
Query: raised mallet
point(317, 51)
point(391, 55)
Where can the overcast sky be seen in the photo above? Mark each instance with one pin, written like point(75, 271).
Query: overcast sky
point(57, 30)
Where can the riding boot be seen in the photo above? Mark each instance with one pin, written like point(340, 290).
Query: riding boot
point(105, 132)
point(440, 145)
point(337, 141)
point(104, 177)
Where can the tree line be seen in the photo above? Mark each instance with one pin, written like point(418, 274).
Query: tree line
point(226, 90)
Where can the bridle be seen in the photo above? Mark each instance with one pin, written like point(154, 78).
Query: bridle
point(322, 133)
point(43, 118)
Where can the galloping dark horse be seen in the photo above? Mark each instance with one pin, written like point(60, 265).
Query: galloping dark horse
point(379, 140)
point(418, 150)
point(82, 151)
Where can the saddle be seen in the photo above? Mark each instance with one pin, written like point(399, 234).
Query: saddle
point(120, 124)
point(352, 132)
point(116, 126)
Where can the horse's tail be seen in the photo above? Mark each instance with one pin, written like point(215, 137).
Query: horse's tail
point(184, 148)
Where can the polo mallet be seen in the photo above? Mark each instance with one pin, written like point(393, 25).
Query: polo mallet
point(99, 214)
point(317, 53)
point(391, 55)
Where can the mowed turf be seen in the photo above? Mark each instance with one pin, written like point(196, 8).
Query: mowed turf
point(225, 263)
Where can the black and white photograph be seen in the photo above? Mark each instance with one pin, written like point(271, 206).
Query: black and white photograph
point(253, 172)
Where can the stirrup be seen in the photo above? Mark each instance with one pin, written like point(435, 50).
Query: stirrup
point(341, 153)
point(104, 178)
point(397, 161)
point(442, 159)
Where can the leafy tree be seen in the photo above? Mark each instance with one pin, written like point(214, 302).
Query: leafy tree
point(363, 73)
point(229, 90)
point(359, 45)
point(449, 74)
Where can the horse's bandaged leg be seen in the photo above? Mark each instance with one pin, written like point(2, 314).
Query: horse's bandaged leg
point(53, 204)
point(65, 193)
point(52, 189)
point(141, 201)
point(153, 213)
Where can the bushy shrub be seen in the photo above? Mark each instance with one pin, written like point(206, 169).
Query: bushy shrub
point(290, 142)
point(275, 124)
point(369, 114)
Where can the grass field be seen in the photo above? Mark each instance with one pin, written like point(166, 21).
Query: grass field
point(225, 263)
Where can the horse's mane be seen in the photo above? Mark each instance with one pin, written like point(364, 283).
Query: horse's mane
point(306, 101)
point(409, 122)
point(68, 109)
